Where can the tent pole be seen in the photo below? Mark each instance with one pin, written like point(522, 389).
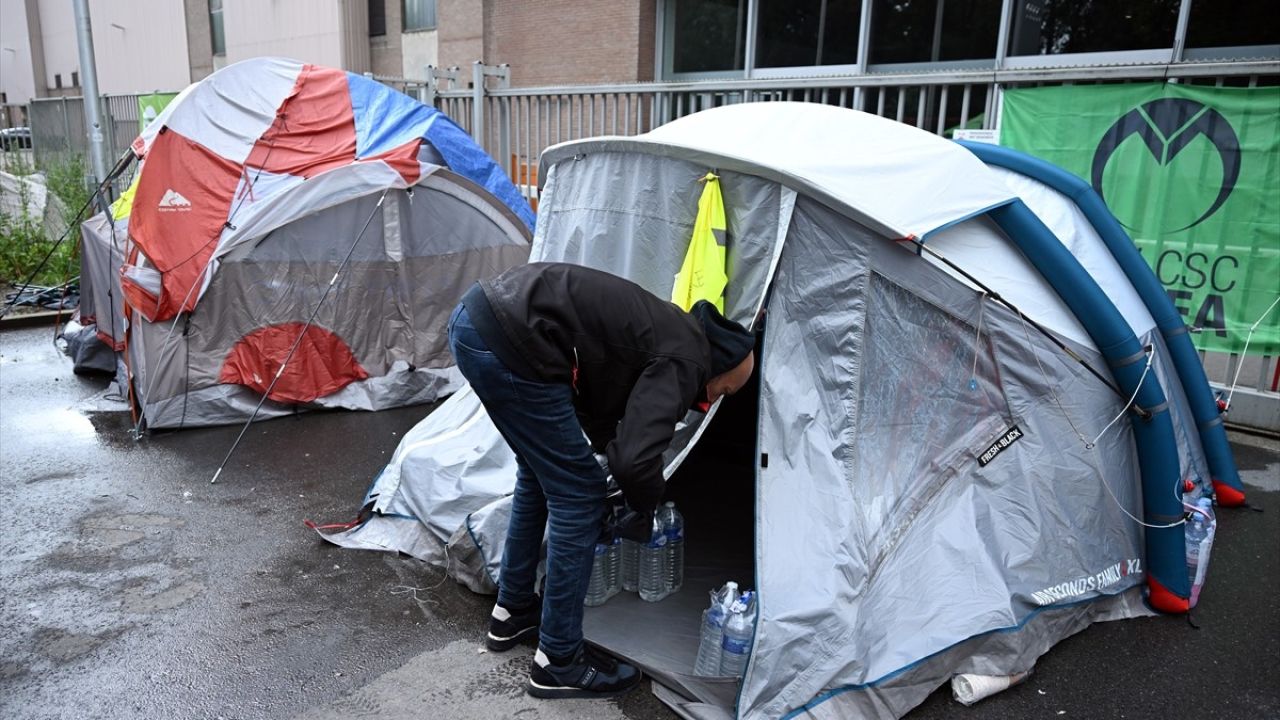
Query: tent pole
point(296, 343)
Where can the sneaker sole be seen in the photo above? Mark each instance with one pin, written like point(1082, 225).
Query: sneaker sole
point(499, 644)
point(565, 692)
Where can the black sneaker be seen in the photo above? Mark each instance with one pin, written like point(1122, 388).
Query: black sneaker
point(508, 627)
point(589, 675)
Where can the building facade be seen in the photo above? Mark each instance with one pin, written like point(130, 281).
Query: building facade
point(144, 46)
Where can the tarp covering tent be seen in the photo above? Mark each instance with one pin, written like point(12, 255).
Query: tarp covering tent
point(921, 482)
point(96, 335)
point(272, 191)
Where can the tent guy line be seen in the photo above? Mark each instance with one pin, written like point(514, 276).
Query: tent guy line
point(1252, 328)
point(1142, 412)
point(315, 311)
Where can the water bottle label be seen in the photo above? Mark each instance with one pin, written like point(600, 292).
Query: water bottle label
point(658, 541)
point(737, 646)
point(675, 534)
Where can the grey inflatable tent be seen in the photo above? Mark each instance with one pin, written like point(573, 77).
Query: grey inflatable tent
point(919, 482)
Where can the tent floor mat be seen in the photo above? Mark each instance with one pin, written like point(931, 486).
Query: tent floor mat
point(662, 637)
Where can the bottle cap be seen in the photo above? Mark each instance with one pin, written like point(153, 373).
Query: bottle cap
point(669, 503)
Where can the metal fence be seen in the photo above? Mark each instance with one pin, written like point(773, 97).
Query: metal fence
point(58, 133)
point(516, 124)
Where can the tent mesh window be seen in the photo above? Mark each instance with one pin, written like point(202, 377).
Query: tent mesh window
point(929, 393)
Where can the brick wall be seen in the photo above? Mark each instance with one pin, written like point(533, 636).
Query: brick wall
point(460, 32)
point(384, 50)
point(570, 42)
point(551, 42)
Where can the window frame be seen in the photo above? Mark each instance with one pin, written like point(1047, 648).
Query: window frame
point(404, 16)
point(216, 17)
point(1000, 59)
point(383, 5)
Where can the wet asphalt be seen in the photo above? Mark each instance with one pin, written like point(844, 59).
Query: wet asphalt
point(132, 588)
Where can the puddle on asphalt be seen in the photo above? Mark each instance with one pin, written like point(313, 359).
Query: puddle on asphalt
point(110, 532)
point(63, 646)
point(71, 426)
point(113, 429)
point(139, 601)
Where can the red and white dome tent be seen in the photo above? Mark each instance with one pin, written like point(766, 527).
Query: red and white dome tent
point(260, 187)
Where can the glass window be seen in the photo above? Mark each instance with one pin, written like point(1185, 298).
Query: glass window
point(377, 18)
point(216, 33)
point(419, 15)
point(1236, 23)
point(707, 35)
point(1051, 27)
point(908, 31)
point(798, 33)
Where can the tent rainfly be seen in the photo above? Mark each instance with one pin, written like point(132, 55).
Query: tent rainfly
point(925, 478)
point(285, 210)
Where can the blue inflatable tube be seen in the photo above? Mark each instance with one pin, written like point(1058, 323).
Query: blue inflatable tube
point(1204, 409)
point(1153, 435)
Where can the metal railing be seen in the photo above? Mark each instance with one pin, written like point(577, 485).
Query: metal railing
point(58, 132)
point(516, 124)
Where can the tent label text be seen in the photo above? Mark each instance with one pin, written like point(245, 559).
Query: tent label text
point(1097, 582)
point(1010, 436)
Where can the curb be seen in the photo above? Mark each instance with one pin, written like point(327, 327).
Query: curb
point(30, 320)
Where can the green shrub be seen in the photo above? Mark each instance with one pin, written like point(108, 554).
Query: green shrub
point(23, 243)
point(66, 178)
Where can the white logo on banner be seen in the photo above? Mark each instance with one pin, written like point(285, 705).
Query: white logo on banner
point(173, 200)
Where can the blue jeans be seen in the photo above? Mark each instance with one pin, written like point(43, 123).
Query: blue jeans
point(559, 486)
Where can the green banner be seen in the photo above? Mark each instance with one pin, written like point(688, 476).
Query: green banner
point(149, 106)
point(1193, 173)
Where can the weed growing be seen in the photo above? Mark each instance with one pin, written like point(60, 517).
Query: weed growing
point(23, 241)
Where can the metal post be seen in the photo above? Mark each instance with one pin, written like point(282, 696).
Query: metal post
point(429, 88)
point(89, 77)
point(1180, 33)
point(66, 126)
point(477, 102)
point(503, 73)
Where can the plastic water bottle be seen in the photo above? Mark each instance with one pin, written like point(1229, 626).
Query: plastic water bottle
point(630, 565)
point(739, 630)
point(613, 567)
point(709, 651)
point(652, 568)
point(1199, 534)
point(598, 587)
point(673, 526)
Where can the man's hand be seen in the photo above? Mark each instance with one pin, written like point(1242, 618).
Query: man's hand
point(622, 521)
point(634, 526)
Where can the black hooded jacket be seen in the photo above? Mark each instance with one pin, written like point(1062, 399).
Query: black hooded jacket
point(636, 362)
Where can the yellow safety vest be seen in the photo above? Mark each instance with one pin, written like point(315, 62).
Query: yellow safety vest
point(702, 276)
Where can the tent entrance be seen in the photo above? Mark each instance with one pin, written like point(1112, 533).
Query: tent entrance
point(714, 489)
